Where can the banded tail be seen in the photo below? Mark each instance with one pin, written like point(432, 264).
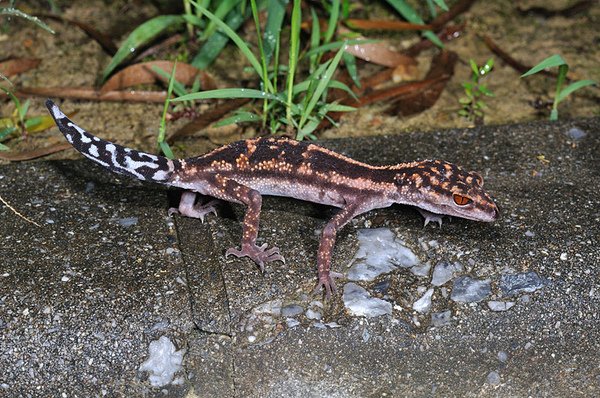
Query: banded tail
point(116, 158)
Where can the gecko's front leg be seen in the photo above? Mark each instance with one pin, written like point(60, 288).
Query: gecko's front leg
point(326, 244)
point(253, 200)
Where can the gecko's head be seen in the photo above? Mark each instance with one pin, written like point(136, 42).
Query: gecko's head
point(444, 188)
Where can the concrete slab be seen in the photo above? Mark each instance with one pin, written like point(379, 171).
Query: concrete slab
point(534, 330)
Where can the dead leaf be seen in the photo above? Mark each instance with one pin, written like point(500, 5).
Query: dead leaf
point(441, 70)
point(15, 66)
point(35, 153)
point(142, 73)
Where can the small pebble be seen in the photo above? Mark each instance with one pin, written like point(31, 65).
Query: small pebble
point(500, 305)
point(291, 310)
point(493, 378)
point(441, 318)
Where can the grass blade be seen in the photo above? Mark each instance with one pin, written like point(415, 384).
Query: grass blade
point(273, 27)
point(323, 83)
point(140, 36)
point(411, 16)
point(552, 61)
point(233, 36)
point(239, 117)
point(229, 93)
point(18, 13)
point(573, 87)
point(294, 51)
point(215, 44)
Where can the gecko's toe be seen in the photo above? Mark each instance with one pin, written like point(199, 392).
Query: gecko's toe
point(327, 283)
point(259, 254)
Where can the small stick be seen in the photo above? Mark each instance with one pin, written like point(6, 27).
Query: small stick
point(17, 212)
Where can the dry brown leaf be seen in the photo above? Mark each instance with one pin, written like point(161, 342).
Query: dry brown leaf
point(34, 153)
point(14, 66)
point(142, 73)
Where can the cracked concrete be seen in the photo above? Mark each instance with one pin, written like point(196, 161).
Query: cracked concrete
point(108, 272)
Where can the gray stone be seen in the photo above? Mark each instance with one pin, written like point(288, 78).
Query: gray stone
point(441, 318)
point(511, 284)
point(468, 290)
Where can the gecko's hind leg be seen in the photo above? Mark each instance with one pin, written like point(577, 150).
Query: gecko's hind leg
point(189, 208)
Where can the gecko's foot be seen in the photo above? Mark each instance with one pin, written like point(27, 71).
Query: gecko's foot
point(327, 282)
point(195, 211)
point(260, 255)
point(430, 217)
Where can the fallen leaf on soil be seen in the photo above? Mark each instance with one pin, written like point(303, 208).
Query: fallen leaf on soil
point(380, 54)
point(35, 153)
point(143, 73)
point(442, 69)
point(14, 66)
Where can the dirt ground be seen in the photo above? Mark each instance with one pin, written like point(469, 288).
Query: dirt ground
point(70, 58)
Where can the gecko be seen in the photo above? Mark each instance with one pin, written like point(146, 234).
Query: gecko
point(243, 171)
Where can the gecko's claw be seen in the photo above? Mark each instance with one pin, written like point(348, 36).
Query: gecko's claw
point(430, 217)
point(260, 255)
point(196, 210)
point(327, 282)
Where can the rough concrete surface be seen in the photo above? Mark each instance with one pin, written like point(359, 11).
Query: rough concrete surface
point(108, 272)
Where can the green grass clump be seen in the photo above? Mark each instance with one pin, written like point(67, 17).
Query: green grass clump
point(288, 103)
point(561, 92)
point(472, 103)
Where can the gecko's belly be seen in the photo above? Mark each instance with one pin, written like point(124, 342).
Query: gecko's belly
point(307, 191)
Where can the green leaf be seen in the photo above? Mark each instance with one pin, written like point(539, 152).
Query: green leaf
point(441, 4)
point(554, 115)
point(223, 8)
point(552, 61)
point(474, 67)
point(215, 44)
point(140, 36)
point(276, 10)
point(332, 22)
point(5, 132)
point(234, 37)
point(293, 54)
point(239, 117)
point(323, 83)
point(178, 88)
point(229, 93)
point(4, 148)
point(18, 13)
point(350, 62)
point(486, 91)
point(339, 108)
point(573, 87)
point(411, 15)
point(336, 45)
point(166, 149)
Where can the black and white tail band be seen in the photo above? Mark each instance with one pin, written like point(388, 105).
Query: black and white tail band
point(117, 158)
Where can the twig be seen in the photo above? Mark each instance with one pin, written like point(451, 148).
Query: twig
point(17, 212)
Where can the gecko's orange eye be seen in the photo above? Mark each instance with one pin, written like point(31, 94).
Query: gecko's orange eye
point(461, 200)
